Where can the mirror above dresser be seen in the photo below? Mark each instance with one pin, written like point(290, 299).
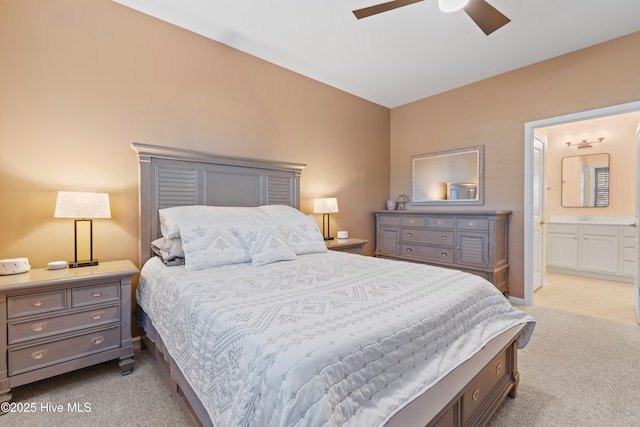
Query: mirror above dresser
point(453, 177)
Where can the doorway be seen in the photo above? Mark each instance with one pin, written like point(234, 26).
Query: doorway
point(532, 261)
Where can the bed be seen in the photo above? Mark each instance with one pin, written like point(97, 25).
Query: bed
point(256, 323)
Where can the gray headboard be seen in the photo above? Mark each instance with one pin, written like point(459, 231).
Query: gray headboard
point(177, 177)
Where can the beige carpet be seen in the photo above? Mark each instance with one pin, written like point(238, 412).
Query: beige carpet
point(576, 371)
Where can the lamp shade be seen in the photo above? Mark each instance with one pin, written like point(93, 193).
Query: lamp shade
point(452, 5)
point(325, 205)
point(73, 204)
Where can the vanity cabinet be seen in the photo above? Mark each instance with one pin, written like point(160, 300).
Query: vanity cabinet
point(596, 250)
point(475, 242)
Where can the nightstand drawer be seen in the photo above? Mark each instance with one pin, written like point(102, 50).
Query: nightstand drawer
point(41, 302)
point(44, 327)
point(36, 356)
point(95, 294)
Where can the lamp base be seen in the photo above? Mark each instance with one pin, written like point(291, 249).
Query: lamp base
point(89, 263)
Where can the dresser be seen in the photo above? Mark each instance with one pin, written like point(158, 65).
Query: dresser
point(56, 321)
point(473, 241)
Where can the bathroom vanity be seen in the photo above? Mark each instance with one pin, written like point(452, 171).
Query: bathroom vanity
point(591, 247)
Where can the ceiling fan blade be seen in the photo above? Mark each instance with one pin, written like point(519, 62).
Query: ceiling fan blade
point(487, 17)
point(379, 8)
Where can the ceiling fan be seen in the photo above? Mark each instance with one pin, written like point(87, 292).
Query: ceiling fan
point(482, 13)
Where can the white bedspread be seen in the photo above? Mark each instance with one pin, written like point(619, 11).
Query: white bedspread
point(325, 340)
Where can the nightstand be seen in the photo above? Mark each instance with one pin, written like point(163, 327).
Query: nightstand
point(56, 321)
point(353, 246)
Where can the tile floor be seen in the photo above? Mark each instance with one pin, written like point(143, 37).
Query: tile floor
point(587, 296)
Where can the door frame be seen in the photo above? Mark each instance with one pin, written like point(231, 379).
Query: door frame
point(529, 128)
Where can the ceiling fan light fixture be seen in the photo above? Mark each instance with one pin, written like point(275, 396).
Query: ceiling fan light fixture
point(452, 5)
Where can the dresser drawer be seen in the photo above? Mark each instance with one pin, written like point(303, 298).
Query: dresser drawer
point(472, 224)
point(479, 390)
point(95, 294)
point(428, 222)
point(444, 238)
point(439, 222)
point(389, 220)
point(413, 221)
point(45, 327)
point(430, 253)
point(41, 302)
point(36, 356)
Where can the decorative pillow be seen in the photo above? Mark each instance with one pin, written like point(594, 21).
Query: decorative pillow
point(303, 235)
point(266, 245)
point(207, 245)
point(169, 250)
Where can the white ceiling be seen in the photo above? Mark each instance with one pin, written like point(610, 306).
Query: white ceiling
point(402, 55)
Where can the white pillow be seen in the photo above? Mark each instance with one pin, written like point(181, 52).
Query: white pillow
point(266, 245)
point(168, 249)
point(303, 235)
point(281, 211)
point(170, 217)
point(208, 244)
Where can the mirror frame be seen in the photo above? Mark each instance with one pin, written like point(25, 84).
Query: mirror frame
point(479, 200)
point(563, 180)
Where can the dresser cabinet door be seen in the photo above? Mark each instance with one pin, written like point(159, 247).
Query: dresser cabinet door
point(388, 241)
point(472, 249)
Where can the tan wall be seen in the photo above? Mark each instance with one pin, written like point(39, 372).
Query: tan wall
point(493, 113)
point(80, 80)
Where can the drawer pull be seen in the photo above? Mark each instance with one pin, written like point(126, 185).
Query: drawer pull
point(389, 220)
point(409, 250)
point(444, 254)
point(97, 315)
point(476, 395)
point(40, 354)
point(444, 237)
point(37, 303)
point(409, 234)
point(472, 223)
point(439, 222)
point(38, 327)
point(413, 221)
point(499, 369)
point(97, 294)
point(97, 340)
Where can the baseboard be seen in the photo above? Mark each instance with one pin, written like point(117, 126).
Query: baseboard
point(517, 301)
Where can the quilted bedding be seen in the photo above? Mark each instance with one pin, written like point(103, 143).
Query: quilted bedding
point(328, 339)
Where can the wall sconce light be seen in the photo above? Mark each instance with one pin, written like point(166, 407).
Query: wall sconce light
point(584, 140)
point(325, 206)
point(83, 207)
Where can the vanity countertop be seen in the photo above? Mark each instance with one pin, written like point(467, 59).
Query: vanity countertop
point(589, 219)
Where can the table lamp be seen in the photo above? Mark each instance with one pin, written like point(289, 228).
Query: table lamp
point(82, 207)
point(325, 206)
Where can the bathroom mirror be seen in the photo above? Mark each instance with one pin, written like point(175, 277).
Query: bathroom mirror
point(585, 181)
point(452, 177)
